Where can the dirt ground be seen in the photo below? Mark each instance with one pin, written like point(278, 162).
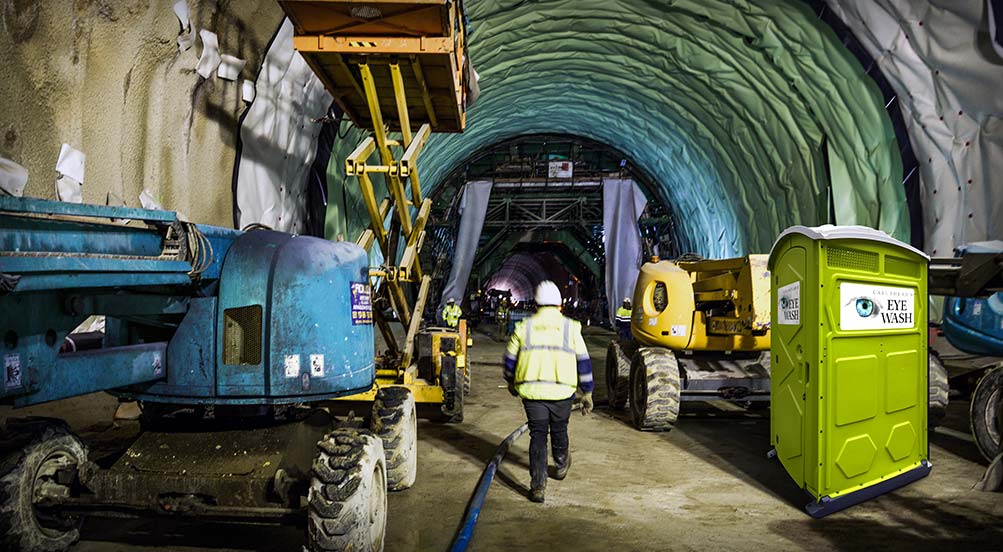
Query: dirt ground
point(707, 485)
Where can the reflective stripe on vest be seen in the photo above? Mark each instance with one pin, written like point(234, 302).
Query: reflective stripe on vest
point(565, 348)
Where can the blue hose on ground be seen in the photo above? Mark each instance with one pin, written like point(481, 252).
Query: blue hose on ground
point(463, 536)
point(462, 539)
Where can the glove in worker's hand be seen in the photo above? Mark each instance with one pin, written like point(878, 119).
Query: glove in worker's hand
point(511, 389)
point(587, 404)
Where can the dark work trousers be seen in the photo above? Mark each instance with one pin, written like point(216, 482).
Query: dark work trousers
point(623, 329)
point(544, 416)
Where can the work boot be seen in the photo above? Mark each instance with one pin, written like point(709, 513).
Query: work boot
point(562, 468)
point(536, 495)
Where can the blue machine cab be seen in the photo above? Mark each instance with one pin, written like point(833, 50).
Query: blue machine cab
point(195, 314)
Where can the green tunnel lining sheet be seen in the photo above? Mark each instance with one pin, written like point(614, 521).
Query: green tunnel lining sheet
point(724, 103)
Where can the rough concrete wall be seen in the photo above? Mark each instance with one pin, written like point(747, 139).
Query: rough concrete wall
point(107, 78)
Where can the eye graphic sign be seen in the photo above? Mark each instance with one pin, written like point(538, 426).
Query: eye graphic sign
point(789, 304)
point(875, 307)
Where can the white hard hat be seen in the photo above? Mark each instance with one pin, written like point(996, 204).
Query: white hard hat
point(547, 294)
point(451, 300)
point(625, 299)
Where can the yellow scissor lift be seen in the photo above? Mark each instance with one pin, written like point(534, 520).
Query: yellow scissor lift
point(373, 56)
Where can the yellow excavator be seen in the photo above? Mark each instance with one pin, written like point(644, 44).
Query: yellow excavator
point(700, 331)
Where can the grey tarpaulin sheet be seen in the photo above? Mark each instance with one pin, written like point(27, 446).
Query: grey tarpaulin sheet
point(473, 207)
point(623, 202)
point(939, 57)
point(279, 139)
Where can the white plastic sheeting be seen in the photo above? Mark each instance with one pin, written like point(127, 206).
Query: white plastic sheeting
point(473, 207)
point(623, 202)
point(13, 177)
point(70, 174)
point(939, 57)
point(278, 138)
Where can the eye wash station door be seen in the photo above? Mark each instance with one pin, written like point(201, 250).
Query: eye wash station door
point(849, 329)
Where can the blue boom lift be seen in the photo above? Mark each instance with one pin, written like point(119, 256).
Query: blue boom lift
point(973, 323)
point(241, 328)
point(245, 329)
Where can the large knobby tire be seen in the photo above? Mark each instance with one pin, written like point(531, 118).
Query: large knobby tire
point(50, 446)
point(618, 373)
point(466, 378)
point(939, 392)
point(395, 422)
point(348, 493)
point(986, 417)
point(654, 389)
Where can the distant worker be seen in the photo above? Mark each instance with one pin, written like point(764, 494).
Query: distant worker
point(451, 313)
point(623, 315)
point(545, 362)
point(502, 318)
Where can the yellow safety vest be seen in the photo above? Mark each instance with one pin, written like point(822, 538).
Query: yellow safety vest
point(623, 314)
point(451, 314)
point(547, 347)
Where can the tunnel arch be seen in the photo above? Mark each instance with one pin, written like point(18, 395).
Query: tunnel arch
point(731, 108)
point(446, 195)
point(527, 208)
point(529, 264)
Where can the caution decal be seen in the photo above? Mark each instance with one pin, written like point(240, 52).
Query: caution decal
point(789, 304)
point(362, 306)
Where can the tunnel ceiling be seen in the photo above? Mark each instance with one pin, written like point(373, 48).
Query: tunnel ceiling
point(727, 105)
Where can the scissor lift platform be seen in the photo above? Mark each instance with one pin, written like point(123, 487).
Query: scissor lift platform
point(425, 38)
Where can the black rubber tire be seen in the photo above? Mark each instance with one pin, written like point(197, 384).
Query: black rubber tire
point(618, 356)
point(20, 528)
point(985, 415)
point(654, 389)
point(395, 422)
point(347, 501)
point(940, 391)
point(466, 378)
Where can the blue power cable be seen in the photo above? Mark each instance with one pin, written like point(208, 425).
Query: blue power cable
point(466, 531)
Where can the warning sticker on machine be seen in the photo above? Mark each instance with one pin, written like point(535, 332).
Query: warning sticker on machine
point(362, 307)
point(292, 366)
point(12, 371)
point(789, 304)
point(678, 330)
point(317, 366)
point(873, 307)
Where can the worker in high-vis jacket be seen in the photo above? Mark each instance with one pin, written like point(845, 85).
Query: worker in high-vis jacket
point(545, 363)
point(623, 315)
point(451, 313)
point(502, 318)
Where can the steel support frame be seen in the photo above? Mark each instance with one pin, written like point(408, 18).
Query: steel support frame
point(552, 211)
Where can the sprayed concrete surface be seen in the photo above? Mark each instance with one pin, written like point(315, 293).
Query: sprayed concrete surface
point(107, 77)
point(705, 486)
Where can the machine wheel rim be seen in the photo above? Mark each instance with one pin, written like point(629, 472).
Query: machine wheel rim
point(51, 526)
point(378, 508)
point(991, 418)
